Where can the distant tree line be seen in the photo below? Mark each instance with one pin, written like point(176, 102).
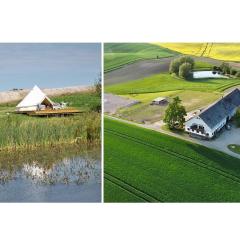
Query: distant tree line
point(225, 68)
point(182, 67)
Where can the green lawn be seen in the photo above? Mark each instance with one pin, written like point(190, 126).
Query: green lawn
point(119, 54)
point(143, 111)
point(18, 130)
point(157, 167)
point(234, 148)
point(165, 82)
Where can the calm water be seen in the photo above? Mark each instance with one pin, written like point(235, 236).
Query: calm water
point(207, 74)
point(48, 65)
point(40, 177)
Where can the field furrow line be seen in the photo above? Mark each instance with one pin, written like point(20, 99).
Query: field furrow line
point(176, 154)
point(128, 187)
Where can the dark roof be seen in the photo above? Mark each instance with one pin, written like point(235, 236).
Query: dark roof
point(221, 109)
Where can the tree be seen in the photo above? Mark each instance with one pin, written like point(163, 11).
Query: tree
point(176, 63)
point(175, 114)
point(233, 71)
point(186, 59)
point(185, 70)
point(174, 66)
point(237, 74)
point(225, 68)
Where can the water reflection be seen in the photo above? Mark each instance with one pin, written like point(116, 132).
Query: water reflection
point(51, 171)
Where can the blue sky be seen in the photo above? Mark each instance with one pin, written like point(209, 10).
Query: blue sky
point(48, 65)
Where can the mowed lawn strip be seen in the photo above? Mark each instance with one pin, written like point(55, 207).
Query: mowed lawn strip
point(164, 175)
point(165, 82)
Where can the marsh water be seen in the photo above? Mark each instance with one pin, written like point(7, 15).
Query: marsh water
point(56, 174)
point(208, 74)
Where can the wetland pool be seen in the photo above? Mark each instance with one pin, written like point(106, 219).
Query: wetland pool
point(57, 174)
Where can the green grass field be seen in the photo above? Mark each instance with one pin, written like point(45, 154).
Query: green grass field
point(17, 130)
point(165, 82)
point(144, 165)
point(119, 54)
point(144, 112)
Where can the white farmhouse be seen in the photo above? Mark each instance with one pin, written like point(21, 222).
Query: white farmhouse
point(212, 119)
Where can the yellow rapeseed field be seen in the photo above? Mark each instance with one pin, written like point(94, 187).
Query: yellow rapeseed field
point(221, 51)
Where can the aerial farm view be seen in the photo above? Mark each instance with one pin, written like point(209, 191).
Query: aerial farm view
point(172, 122)
point(50, 122)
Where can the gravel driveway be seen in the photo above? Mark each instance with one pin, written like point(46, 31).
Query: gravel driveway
point(113, 102)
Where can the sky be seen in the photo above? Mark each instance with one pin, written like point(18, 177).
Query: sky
point(48, 65)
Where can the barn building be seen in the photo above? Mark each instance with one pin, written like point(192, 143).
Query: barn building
point(212, 119)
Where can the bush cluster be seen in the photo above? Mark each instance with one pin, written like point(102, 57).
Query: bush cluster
point(182, 67)
point(225, 68)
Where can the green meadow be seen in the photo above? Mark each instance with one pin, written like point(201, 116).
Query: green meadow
point(118, 54)
point(165, 82)
point(22, 131)
point(146, 166)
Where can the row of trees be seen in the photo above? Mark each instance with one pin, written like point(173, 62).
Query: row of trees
point(225, 68)
point(182, 67)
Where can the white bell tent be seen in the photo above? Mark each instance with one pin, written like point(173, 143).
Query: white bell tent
point(35, 100)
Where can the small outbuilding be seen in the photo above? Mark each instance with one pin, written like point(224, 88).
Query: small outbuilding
point(159, 101)
point(35, 100)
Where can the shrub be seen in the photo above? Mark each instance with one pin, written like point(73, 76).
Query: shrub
point(186, 59)
point(233, 71)
point(225, 68)
point(174, 66)
point(237, 118)
point(237, 74)
point(185, 71)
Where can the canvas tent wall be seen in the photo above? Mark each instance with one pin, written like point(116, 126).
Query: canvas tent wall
point(34, 100)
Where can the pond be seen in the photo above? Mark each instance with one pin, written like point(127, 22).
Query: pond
point(208, 74)
point(66, 174)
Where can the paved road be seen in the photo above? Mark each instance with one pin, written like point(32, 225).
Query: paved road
point(220, 144)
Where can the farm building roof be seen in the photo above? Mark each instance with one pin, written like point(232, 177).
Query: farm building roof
point(34, 97)
point(159, 99)
point(221, 109)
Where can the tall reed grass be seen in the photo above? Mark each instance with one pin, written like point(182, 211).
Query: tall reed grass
point(24, 131)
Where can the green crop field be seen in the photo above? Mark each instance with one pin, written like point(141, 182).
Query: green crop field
point(119, 54)
point(144, 165)
point(165, 82)
point(18, 130)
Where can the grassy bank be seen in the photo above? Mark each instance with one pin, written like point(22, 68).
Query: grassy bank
point(143, 165)
point(20, 131)
point(119, 54)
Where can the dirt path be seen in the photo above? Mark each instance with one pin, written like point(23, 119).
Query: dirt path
point(16, 95)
